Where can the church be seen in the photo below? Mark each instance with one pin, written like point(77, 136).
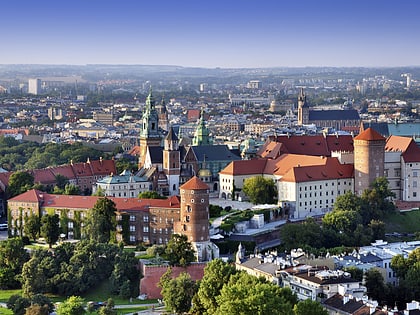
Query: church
point(168, 162)
point(346, 119)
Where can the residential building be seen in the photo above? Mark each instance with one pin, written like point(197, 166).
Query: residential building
point(34, 86)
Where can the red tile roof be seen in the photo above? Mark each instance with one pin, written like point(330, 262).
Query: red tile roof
point(320, 145)
point(369, 135)
point(397, 143)
point(333, 169)
point(245, 167)
point(87, 202)
point(194, 184)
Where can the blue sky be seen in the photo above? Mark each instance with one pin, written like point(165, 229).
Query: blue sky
point(212, 33)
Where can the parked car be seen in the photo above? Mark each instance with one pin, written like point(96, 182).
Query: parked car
point(3, 226)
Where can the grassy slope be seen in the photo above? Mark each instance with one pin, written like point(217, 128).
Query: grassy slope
point(404, 222)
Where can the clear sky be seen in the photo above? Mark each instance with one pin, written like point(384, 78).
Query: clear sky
point(211, 33)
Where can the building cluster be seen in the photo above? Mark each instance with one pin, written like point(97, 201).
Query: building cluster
point(326, 280)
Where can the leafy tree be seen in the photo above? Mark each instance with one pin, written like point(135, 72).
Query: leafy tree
point(376, 288)
point(18, 304)
point(355, 272)
point(125, 277)
point(19, 182)
point(150, 195)
point(348, 201)
point(376, 200)
point(72, 306)
point(309, 307)
point(342, 220)
point(71, 189)
point(216, 274)
point(246, 294)
point(42, 300)
point(101, 220)
point(179, 252)
point(378, 229)
point(61, 181)
point(296, 235)
point(260, 190)
point(32, 226)
point(12, 258)
point(50, 229)
point(178, 293)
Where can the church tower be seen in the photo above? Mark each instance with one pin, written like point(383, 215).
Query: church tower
point(303, 109)
point(172, 161)
point(202, 134)
point(194, 219)
point(149, 133)
point(369, 159)
point(163, 115)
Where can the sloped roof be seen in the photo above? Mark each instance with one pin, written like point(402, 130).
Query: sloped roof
point(412, 153)
point(330, 170)
point(44, 176)
point(397, 143)
point(320, 145)
point(195, 184)
point(156, 154)
point(369, 135)
point(381, 127)
point(352, 305)
point(214, 153)
point(103, 167)
point(87, 202)
point(245, 167)
point(288, 161)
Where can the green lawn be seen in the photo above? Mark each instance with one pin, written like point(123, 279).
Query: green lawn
point(403, 222)
point(5, 294)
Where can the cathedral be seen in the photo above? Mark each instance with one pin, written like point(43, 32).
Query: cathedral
point(167, 162)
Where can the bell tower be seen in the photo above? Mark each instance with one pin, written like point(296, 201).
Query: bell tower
point(172, 161)
point(303, 109)
point(149, 133)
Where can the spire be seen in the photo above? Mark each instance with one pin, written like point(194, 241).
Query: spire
point(150, 101)
point(202, 134)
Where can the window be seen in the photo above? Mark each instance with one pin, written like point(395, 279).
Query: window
point(145, 239)
point(132, 228)
point(132, 218)
point(189, 208)
point(145, 229)
point(145, 219)
point(133, 238)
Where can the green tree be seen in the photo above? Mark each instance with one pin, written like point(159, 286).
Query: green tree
point(71, 189)
point(150, 195)
point(72, 306)
point(377, 200)
point(179, 252)
point(61, 181)
point(178, 293)
point(50, 229)
point(108, 309)
point(245, 294)
point(355, 272)
point(309, 307)
point(260, 190)
point(12, 258)
point(101, 220)
point(32, 226)
point(342, 220)
point(216, 274)
point(42, 300)
point(348, 201)
point(19, 182)
point(376, 288)
point(18, 304)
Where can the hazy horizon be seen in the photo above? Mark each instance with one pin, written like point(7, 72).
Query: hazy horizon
point(212, 34)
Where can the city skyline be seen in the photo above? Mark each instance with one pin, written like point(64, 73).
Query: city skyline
point(210, 34)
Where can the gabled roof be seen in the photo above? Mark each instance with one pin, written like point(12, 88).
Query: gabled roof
point(412, 153)
point(32, 195)
point(156, 154)
point(195, 184)
point(288, 161)
point(369, 135)
point(103, 167)
point(44, 176)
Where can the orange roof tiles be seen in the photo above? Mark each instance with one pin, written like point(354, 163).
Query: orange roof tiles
point(195, 183)
point(369, 135)
point(331, 170)
point(87, 202)
point(245, 167)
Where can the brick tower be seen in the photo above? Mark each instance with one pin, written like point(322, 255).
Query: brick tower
point(369, 158)
point(194, 218)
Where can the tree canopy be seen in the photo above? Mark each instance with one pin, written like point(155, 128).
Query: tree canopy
point(50, 229)
point(260, 190)
point(101, 221)
point(178, 251)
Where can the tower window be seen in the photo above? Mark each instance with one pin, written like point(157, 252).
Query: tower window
point(153, 126)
